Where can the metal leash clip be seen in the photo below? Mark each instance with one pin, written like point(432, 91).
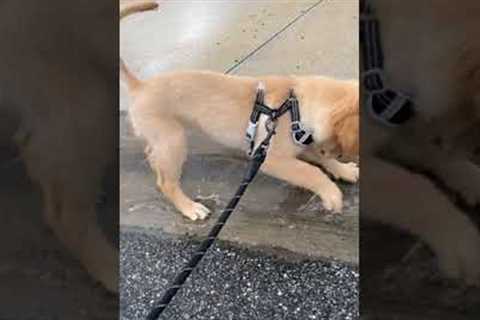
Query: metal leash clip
point(271, 125)
point(250, 137)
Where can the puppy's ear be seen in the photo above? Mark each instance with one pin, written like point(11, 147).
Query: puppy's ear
point(345, 123)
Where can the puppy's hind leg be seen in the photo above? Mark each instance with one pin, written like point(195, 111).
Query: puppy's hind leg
point(168, 152)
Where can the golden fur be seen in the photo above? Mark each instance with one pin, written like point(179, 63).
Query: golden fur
point(165, 106)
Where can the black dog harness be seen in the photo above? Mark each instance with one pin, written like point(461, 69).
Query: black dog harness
point(300, 134)
point(387, 105)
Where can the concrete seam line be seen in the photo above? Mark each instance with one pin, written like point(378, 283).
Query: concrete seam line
point(276, 34)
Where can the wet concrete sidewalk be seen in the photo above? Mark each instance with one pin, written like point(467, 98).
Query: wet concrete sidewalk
point(240, 37)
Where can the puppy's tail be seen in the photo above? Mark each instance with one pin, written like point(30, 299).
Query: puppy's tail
point(138, 6)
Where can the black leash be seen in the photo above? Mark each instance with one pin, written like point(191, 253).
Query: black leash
point(254, 165)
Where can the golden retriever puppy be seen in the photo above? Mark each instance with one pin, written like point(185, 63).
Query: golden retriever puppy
point(57, 77)
point(431, 52)
point(165, 106)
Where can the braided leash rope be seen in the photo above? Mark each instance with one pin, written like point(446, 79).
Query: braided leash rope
point(254, 165)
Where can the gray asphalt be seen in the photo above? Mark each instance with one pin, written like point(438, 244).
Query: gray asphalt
point(232, 282)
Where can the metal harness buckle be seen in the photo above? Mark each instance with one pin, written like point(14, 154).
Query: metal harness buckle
point(378, 76)
point(298, 127)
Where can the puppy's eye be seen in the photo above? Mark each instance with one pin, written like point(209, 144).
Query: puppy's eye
point(322, 152)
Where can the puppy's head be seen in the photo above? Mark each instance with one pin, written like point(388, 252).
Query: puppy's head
point(345, 120)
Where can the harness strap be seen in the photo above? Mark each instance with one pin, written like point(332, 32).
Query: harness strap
point(387, 105)
point(300, 134)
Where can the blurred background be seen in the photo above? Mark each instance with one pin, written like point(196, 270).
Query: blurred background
point(39, 278)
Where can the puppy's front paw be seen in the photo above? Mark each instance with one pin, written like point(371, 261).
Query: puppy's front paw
point(332, 198)
point(349, 172)
point(464, 178)
point(471, 194)
point(196, 211)
point(460, 259)
point(468, 189)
